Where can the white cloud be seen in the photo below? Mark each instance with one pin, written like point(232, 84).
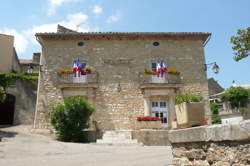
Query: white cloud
point(97, 10)
point(25, 38)
point(20, 41)
point(54, 4)
point(72, 21)
point(114, 18)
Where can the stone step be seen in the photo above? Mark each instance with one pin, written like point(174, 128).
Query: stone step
point(117, 137)
point(118, 142)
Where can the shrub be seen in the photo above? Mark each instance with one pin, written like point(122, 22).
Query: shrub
point(215, 111)
point(71, 118)
point(188, 98)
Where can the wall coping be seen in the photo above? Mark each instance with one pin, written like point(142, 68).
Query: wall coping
point(220, 132)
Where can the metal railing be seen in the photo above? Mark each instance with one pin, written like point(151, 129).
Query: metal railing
point(74, 79)
point(159, 79)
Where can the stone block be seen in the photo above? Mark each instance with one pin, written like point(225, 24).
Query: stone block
point(228, 132)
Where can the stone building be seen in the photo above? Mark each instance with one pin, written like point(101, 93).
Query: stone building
point(31, 66)
point(118, 87)
point(9, 60)
point(214, 87)
point(18, 106)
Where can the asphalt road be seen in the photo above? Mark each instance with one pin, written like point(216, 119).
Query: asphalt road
point(21, 147)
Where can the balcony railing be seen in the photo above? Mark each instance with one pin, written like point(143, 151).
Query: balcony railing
point(155, 79)
point(72, 80)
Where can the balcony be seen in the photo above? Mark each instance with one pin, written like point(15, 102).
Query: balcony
point(84, 81)
point(165, 81)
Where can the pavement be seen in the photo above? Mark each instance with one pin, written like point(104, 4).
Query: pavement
point(20, 146)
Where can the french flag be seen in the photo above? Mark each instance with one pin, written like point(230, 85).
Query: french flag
point(78, 67)
point(74, 68)
point(158, 69)
point(163, 67)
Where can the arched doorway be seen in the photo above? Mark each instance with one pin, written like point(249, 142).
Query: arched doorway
point(7, 109)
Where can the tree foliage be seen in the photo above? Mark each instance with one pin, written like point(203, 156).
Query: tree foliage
point(215, 111)
point(237, 96)
point(70, 118)
point(6, 79)
point(188, 98)
point(241, 44)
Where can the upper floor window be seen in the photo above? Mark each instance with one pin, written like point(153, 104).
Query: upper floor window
point(156, 43)
point(80, 43)
point(153, 66)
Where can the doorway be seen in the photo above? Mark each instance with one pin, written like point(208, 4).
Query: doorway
point(7, 109)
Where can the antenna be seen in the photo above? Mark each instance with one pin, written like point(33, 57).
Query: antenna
point(78, 25)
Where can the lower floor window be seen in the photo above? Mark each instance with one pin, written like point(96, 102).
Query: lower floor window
point(159, 109)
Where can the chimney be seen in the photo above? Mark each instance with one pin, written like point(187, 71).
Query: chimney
point(36, 57)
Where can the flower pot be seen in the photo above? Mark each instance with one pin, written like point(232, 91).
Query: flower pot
point(190, 114)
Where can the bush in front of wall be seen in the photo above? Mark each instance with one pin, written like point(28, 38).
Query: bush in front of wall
point(215, 111)
point(71, 118)
point(188, 98)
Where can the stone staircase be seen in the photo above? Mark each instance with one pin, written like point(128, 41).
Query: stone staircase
point(118, 137)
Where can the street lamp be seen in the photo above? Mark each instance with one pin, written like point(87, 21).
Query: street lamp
point(215, 67)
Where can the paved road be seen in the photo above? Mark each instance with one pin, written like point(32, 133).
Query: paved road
point(21, 147)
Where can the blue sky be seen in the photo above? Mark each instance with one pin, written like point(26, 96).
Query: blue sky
point(23, 18)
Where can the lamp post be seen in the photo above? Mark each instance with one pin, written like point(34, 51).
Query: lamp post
point(215, 67)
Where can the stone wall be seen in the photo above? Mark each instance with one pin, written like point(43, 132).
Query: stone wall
point(146, 136)
point(151, 137)
point(25, 93)
point(217, 145)
point(118, 62)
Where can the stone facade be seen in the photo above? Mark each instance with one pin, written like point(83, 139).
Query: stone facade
point(25, 101)
point(216, 145)
point(117, 92)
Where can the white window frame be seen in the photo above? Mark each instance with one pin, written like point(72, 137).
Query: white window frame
point(160, 109)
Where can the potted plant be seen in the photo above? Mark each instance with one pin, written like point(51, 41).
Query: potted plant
point(173, 71)
point(147, 122)
point(88, 70)
point(190, 110)
point(149, 71)
point(65, 71)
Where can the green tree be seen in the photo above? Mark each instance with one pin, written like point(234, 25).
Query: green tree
point(70, 118)
point(237, 96)
point(241, 44)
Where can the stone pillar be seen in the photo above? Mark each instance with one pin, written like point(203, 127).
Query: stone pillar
point(147, 111)
point(171, 113)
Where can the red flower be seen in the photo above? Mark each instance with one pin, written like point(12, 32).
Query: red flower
point(148, 118)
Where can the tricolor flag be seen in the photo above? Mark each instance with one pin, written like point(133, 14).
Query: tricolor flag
point(163, 67)
point(74, 68)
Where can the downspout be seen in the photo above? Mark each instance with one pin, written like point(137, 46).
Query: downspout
point(38, 85)
point(207, 103)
